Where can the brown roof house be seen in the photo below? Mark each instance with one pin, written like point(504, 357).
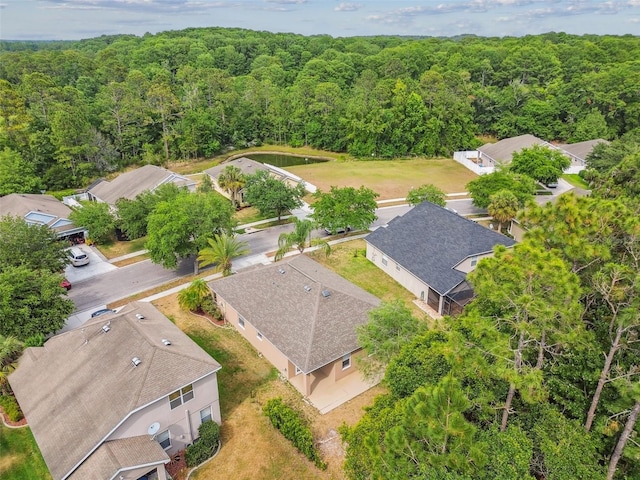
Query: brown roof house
point(132, 183)
point(429, 251)
point(245, 165)
point(117, 397)
point(302, 317)
point(40, 210)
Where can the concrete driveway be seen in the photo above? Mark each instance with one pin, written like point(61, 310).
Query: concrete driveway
point(97, 265)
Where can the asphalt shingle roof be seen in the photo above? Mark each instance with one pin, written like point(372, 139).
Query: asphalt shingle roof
point(81, 384)
point(429, 241)
point(22, 204)
point(308, 327)
point(131, 184)
point(502, 151)
point(246, 166)
point(581, 149)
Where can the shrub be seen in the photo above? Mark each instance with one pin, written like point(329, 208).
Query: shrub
point(11, 408)
point(208, 306)
point(203, 448)
point(294, 428)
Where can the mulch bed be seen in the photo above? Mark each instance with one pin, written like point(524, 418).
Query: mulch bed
point(215, 321)
point(5, 419)
point(177, 467)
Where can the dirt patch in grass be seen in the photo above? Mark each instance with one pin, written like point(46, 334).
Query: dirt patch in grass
point(131, 260)
point(251, 448)
point(389, 178)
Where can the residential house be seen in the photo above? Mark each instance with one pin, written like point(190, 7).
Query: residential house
point(302, 317)
point(117, 397)
point(38, 209)
point(245, 165)
point(132, 183)
point(429, 251)
point(578, 153)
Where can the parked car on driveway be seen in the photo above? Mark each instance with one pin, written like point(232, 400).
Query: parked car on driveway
point(78, 257)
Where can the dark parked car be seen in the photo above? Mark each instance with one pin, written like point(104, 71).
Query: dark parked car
point(103, 311)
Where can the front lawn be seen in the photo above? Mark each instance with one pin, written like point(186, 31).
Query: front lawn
point(576, 180)
point(118, 248)
point(20, 457)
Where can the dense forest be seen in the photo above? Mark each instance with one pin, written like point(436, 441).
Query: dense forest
point(71, 111)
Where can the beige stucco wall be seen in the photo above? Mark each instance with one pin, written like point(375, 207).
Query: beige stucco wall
point(466, 265)
point(182, 421)
point(398, 273)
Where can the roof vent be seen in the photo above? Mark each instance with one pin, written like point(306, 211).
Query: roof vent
point(106, 327)
point(307, 288)
point(281, 271)
point(139, 316)
point(166, 341)
point(326, 293)
point(135, 361)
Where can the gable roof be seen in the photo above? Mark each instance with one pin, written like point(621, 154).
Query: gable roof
point(81, 385)
point(429, 241)
point(580, 150)
point(132, 183)
point(38, 209)
point(502, 151)
point(246, 166)
point(117, 455)
point(310, 328)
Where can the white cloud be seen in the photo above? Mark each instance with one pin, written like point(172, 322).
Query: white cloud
point(348, 7)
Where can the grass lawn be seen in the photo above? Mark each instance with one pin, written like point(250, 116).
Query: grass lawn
point(20, 457)
point(389, 178)
point(117, 248)
point(575, 180)
point(248, 215)
point(349, 260)
point(246, 383)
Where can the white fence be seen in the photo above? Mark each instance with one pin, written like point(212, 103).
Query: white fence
point(463, 158)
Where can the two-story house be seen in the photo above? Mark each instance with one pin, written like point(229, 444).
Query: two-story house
point(116, 397)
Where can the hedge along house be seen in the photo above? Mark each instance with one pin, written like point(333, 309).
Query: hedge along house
point(429, 251)
point(302, 317)
point(38, 209)
point(117, 397)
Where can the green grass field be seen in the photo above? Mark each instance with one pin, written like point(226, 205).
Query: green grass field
point(20, 457)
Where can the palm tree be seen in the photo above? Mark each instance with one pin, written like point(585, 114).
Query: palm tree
point(191, 298)
point(503, 207)
point(221, 250)
point(300, 238)
point(231, 180)
point(10, 350)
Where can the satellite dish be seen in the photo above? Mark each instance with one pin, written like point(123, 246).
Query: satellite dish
point(153, 428)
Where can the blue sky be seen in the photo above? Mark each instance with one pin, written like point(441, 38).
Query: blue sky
point(76, 19)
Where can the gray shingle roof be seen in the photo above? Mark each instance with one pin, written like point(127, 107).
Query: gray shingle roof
point(246, 166)
point(309, 328)
point(132, 183)
point(116, 455)
point(29, 206)
point(502, 151)
point(429, 241)
point(81, 384)
point(581, 149)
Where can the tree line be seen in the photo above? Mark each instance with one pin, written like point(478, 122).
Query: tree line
point(71, 111)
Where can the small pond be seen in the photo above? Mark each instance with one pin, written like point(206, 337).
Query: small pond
point(279, 160)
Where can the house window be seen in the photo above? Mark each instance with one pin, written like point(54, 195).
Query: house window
point(259, 335)
point(384, 260)
point(240, 321)
point(205, 415)
point(397, 266)
point(164, 439)
point(474, 260)
point(298, 371)
point(181, 396)
point(346, 361)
